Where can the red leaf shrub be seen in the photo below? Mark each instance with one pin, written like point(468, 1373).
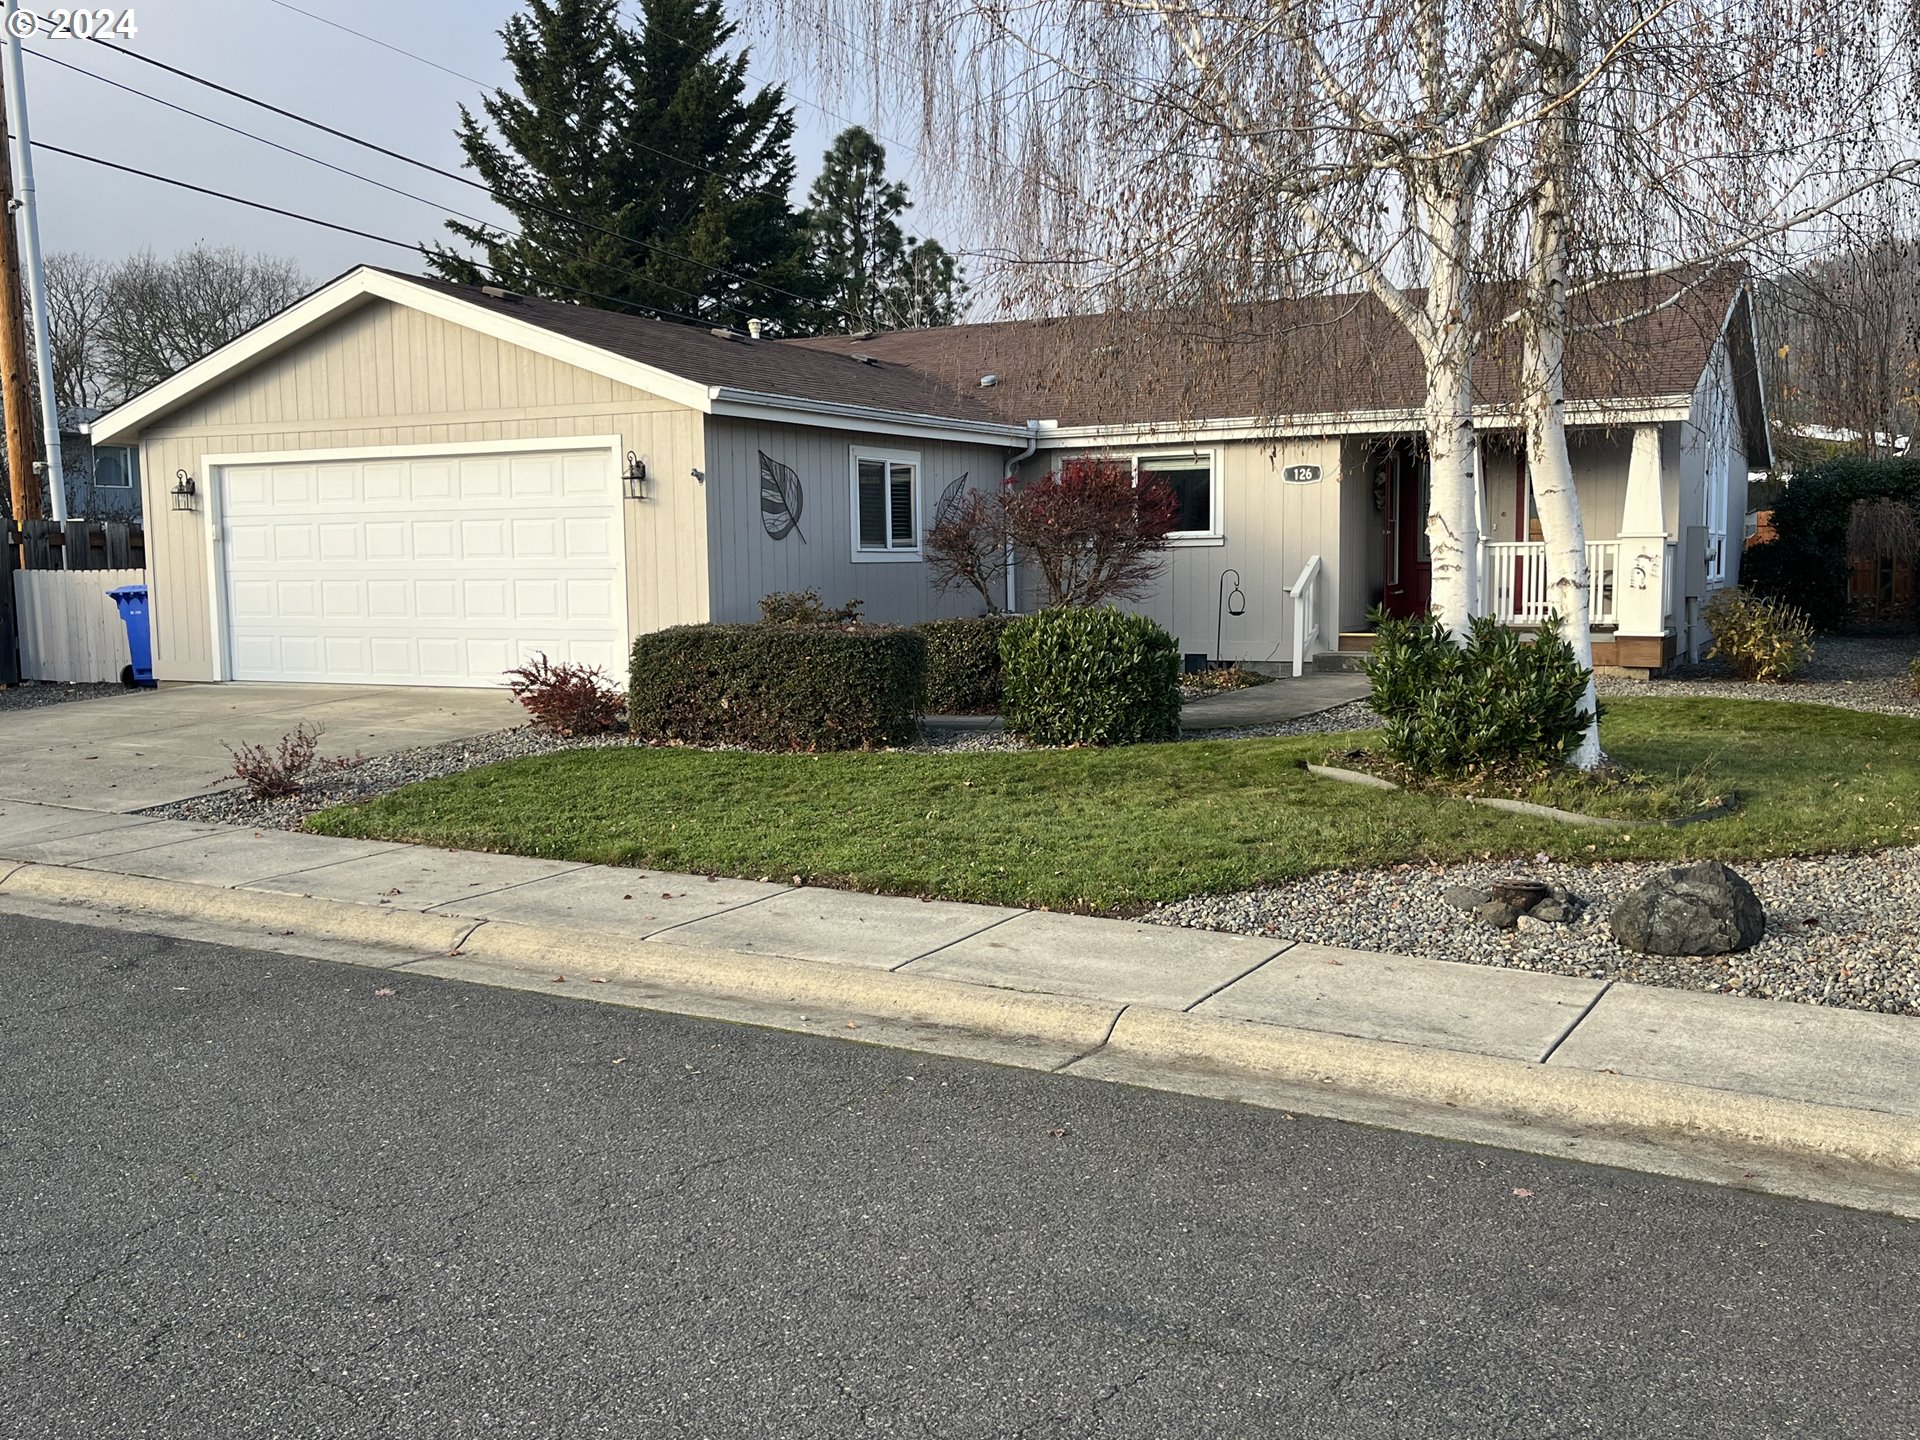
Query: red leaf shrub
point(282, 771)
point(1091, 534)
point(567, 699)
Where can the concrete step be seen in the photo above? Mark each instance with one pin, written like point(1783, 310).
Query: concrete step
point(1338, 662)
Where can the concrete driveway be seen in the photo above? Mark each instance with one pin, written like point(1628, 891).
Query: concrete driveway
point(130, 751)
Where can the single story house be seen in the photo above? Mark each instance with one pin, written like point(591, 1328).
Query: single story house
point(401, 480)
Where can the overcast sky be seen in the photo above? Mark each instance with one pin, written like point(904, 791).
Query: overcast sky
point(267, 49)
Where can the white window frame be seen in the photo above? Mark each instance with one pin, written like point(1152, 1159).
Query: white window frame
point(894, 554)
point(133, 462)
point(1217, 533)
point(1716, 487)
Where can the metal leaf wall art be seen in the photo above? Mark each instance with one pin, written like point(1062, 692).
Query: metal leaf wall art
point(949, 498)
point(781, 499)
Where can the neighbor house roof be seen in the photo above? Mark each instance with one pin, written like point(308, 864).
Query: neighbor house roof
point(1639, 347)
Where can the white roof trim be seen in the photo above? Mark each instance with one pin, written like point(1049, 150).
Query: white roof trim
point(832, 415)
point(1055, 436)
point(353, 290)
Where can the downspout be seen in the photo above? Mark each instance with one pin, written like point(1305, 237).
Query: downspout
point(1013, 465)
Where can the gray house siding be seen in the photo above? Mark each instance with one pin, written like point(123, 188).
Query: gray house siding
point(746, 563)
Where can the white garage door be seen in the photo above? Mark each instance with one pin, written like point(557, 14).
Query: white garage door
point(422, 570)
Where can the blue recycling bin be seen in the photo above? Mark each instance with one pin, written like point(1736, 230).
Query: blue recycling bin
point(132, 600)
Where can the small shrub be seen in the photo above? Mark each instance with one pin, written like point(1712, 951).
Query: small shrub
point(282, 771)
point(1074, 676)
point(778, 687)
point(567, 699)
point(805, 607)
point(1762, 639)
point(1498, 701)
point(963, 664)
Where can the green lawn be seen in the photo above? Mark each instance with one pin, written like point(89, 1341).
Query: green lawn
point(1118, 829)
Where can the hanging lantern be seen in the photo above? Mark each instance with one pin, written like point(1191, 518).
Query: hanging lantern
point(185, 495)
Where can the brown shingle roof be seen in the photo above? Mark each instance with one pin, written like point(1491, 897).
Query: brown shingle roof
point(1334, 355)
point(707, 359)
point(1289, 359)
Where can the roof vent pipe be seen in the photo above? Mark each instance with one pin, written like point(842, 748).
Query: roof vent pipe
point(989, 380)
point(753, 327)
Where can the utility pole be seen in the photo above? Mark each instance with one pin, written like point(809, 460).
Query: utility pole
point(16, 97)
point(16, 400)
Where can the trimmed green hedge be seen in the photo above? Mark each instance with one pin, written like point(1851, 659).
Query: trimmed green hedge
point(778, 687)
point(1090, 677)
point(963, 664)
point(1808, 565)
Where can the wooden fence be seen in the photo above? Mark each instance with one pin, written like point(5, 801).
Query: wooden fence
point(77, 545)
point(69, 630)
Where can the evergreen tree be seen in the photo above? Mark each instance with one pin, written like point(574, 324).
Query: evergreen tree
point(637, 168)
point(876, 276)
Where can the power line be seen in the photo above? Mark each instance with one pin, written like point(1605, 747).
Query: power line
point(488, 85)
point(352, 174)
point(485, 189)
point(414, 246)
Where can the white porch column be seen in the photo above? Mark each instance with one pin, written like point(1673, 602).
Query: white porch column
point(1643, 553)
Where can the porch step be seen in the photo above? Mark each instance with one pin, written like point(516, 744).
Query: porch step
point(1338, 662)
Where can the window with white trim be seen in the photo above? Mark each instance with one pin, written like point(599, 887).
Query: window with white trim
point(1716, 483)
point(116, 467)
point(1191, 478)
point(886, 505)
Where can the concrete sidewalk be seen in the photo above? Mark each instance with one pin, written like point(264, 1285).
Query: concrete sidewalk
point(1762, 1092)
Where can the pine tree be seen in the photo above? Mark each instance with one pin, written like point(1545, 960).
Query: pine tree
point(876, 276)
point(639, 171)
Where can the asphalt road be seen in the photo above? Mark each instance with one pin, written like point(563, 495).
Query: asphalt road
point(249, 1195)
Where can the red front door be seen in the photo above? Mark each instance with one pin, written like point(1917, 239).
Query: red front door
point(1405, 564)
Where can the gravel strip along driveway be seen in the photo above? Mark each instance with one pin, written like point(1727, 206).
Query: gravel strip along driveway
point(1841, 930)
point(33, 694)
point(1856, 672)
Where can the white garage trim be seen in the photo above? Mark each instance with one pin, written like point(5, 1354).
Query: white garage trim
point(213, 468)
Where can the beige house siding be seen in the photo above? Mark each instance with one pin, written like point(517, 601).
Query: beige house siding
point(1269, 529)
point(746, 563)
point(386, 375)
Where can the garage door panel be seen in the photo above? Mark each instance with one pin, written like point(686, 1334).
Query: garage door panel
point(435, 570)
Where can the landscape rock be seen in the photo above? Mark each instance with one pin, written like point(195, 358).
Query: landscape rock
point(1498, 914)
point(1701, 909)
point(1466, 897)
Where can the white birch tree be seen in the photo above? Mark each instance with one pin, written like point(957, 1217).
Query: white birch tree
point(1126, 153)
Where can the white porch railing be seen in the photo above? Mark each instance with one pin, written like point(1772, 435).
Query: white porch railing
point(1306, 615)
point(1514, 578)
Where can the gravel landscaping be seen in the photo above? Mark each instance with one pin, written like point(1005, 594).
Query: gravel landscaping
point(1856, 672)
point(370, 777)
point(34, 694)
point(1841, 930)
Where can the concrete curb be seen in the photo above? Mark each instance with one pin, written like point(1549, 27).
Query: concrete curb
point(294, 914)
point(780, 981)
point(1510, 1095)
point(1652, 1110)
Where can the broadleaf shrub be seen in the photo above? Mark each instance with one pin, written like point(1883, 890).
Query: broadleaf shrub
point(567, 699)
point(1763, 639)
point(963, 664)
point(1500, 700)
point(805, 607)
point(778, 687)
point(1807, 565)
point(1075, 676)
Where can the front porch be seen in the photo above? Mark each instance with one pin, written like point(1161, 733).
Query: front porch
point(1513, 589)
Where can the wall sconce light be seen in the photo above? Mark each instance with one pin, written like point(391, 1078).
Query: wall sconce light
point(699, 475)
point(636, 477)
point(185, 495)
